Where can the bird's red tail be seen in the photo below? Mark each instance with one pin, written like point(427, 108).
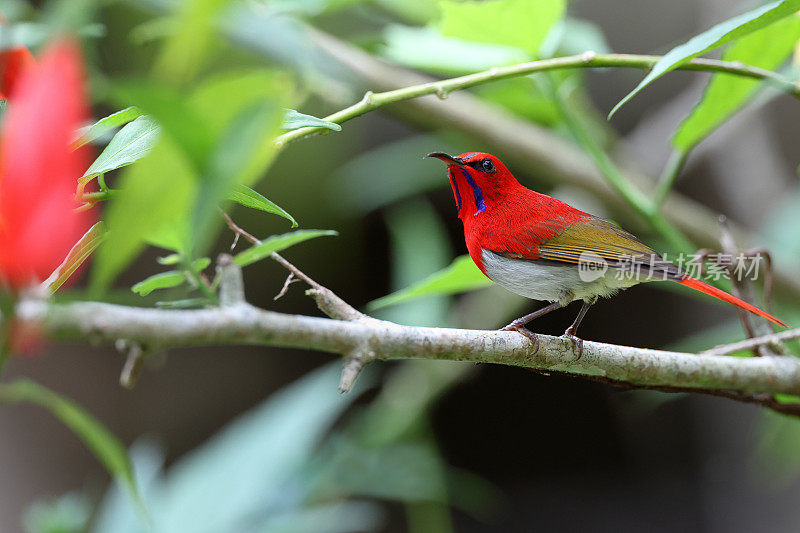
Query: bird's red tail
point(701, 286)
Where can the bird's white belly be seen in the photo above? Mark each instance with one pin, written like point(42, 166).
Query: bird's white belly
point(550, 282)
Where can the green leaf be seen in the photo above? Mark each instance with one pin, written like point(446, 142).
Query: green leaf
point(572, 36)
point(168, 279)
point(518, 23)
point(242, 142)
point(767, 48)
point(462, 275)
point(131, 143)
point(176, 116)
point(420, 246)
point(243, 111)
point(222, 98)
point(156, 194)
point(162, 280)
point(245, 476)
point(188, 47)
point(218, 136)
point(276, 243)
point(247, 197)
point(427, 49)
point(293, 120)
point(103, 444)
point(70, 513)
point(76, 256)
point(200, 264)
point(523, 97)
point(720, 34)
point(171, 259)
point(787, 398)
point(104, 125)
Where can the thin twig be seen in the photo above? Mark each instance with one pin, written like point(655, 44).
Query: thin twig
point(289, 280)
point(237, 230)
point(754, 325)
point(328, 302)
point(748, 344)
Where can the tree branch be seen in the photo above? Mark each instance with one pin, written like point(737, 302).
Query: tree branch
point(242, 323)
point(585, 60)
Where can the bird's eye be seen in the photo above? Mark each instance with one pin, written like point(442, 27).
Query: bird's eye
point(487, 165)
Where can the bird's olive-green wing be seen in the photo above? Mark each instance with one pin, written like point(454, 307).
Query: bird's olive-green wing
point(599, 241)
point(595, 237)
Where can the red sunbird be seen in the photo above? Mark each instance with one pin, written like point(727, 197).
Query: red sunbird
point(543, 249)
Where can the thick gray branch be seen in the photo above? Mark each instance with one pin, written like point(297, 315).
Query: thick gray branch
point(245, 324)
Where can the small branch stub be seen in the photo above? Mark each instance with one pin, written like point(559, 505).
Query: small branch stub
point(133, 362)
point(231, 284)
point(354, 362)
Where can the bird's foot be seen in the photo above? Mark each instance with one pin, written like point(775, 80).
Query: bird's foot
point(577, 342)
point(531, 336)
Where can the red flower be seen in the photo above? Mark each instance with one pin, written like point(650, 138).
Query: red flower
point(13, 62)
point(38, 169)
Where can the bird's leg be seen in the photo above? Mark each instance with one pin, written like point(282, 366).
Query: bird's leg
point(519, 324)
point(572, 331)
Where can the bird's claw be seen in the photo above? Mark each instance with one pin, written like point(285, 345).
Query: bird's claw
point(531, 336)
point(577, 342)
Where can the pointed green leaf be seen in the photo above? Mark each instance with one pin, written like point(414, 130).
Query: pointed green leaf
point(131, 143)
point(70, 513)
point(200, 264)
point(156, 194)
point(103, 444)
point(162, 280)
point(188, 46)
point(462, 275)
point(247, 197)
point(231, 160)
point(425, 48)
point(519, 23)
point(76, 256)
point(175, 115)
point(293, 120)
point(243, 111)
point(720, 34)
point(168, 279)
point(276, 243)
point(239, 478)
point(104, 125)
point(171, 259)
point(725, 95)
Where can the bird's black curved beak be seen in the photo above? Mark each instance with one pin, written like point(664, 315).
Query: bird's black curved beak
point(449, 160)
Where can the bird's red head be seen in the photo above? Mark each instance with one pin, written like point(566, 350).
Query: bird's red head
point(479, 181)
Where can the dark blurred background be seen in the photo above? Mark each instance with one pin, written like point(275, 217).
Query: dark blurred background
point(561, 454)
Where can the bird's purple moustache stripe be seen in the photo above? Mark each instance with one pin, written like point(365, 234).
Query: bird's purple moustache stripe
point(480, 204)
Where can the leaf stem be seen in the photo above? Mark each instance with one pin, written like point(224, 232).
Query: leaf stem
point(671, 171)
